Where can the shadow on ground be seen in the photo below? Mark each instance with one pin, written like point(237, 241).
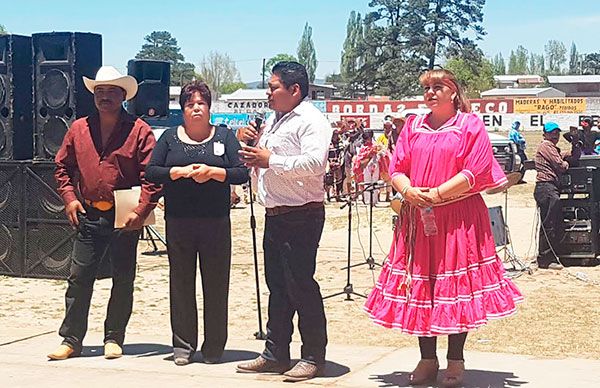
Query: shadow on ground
point(473, 378)
point(138, 350)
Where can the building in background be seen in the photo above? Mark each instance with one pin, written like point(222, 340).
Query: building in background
point(576, 85)
point(518, 81)
point(522, 93)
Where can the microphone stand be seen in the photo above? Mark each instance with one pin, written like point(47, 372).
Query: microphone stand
point(370, 187)
point(260, 334)
point(348, 288)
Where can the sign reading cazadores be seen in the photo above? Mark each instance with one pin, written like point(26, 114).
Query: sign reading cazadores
point(549, 105)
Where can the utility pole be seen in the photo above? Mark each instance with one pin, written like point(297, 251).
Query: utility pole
point(263, 73)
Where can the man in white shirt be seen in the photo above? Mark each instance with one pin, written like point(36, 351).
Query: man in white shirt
point(289, 161)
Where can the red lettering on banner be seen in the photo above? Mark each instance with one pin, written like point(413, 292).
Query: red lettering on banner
point(366, 107)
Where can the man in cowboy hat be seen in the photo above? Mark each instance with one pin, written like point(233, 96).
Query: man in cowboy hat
point(100, 153)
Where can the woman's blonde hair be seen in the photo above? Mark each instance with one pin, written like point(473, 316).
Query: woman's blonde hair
point(461, 102)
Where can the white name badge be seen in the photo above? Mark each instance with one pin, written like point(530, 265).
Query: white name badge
point(219, 148)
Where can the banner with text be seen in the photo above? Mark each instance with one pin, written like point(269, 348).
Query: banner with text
point(550, 105)
point(394, 107)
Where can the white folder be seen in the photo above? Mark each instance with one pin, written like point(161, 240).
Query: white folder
point(126, 200)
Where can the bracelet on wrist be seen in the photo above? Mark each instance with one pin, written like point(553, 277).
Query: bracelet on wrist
point(405, 189)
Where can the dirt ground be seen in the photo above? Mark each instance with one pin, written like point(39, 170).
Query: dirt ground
point(559, 317)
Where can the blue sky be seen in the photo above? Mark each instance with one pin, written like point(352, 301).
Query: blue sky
point(251, 30)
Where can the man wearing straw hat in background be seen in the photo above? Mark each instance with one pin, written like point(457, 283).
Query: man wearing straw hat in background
point(105, 151)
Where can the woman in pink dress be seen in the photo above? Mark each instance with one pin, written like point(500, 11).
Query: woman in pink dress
point(443, 276)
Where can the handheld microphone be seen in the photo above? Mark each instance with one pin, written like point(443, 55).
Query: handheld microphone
point(258, 120)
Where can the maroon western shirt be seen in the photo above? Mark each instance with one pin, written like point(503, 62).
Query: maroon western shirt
point(83, 166)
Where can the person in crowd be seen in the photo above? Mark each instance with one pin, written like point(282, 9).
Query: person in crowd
point(105, 151)
point(334, 176)
point(235, 198)
point(586, 135)
point(444, 276)
point(197, 162)
point(550, 164)
point(398, 123)
point(368, 164)
point(515, 135)
point(289, 161)
point(385, 136)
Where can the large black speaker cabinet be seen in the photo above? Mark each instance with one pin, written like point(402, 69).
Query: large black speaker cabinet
point(16, 97)
point(60, 60)
point(36, 240)
point(581, 180)
point(154, 78)
point(11, 222)
point(581, 219)
point(48, 235)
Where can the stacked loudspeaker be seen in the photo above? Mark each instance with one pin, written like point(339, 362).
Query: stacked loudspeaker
point(580, 203)
point(41, 94)
point(60, 60)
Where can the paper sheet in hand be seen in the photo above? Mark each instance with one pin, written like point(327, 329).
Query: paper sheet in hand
point(126, 201)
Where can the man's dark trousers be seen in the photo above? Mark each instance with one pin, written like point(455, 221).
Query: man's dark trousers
point(547, 197)
point(97, 237)
point(290, 248)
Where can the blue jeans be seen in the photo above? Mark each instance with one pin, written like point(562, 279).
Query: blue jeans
point(290, 244)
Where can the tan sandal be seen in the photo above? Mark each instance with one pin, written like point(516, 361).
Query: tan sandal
point(454, 374)
point(425, 372)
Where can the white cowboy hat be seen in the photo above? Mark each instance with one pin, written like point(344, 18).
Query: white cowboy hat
point(108, 75)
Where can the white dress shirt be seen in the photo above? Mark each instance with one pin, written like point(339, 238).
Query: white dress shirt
point(299, 142)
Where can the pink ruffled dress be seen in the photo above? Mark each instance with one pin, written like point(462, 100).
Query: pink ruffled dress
point(453, 281)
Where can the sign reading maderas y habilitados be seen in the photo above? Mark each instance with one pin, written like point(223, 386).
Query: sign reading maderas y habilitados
point(549, 105)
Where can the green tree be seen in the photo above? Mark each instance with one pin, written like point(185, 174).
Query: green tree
point(443, 22)
point(161, 46)
point(232, 87)
point(536, 64)
point(182, 73)
point(474, 82)
point(390, 55)
point(350, 54)
point(401, 38)
point(369, 74)
point(306, 52)
point(3, 30)
point(218, 70)
point(471, 68)
point(518, 61)
point(556, 56)
point(275, 60)
point(574, 67)
point(498, 65)
point(334, 79)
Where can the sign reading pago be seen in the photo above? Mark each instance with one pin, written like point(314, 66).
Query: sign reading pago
point(396, 106)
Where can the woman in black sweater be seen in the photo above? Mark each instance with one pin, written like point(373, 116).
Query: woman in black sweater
point(197, 162)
